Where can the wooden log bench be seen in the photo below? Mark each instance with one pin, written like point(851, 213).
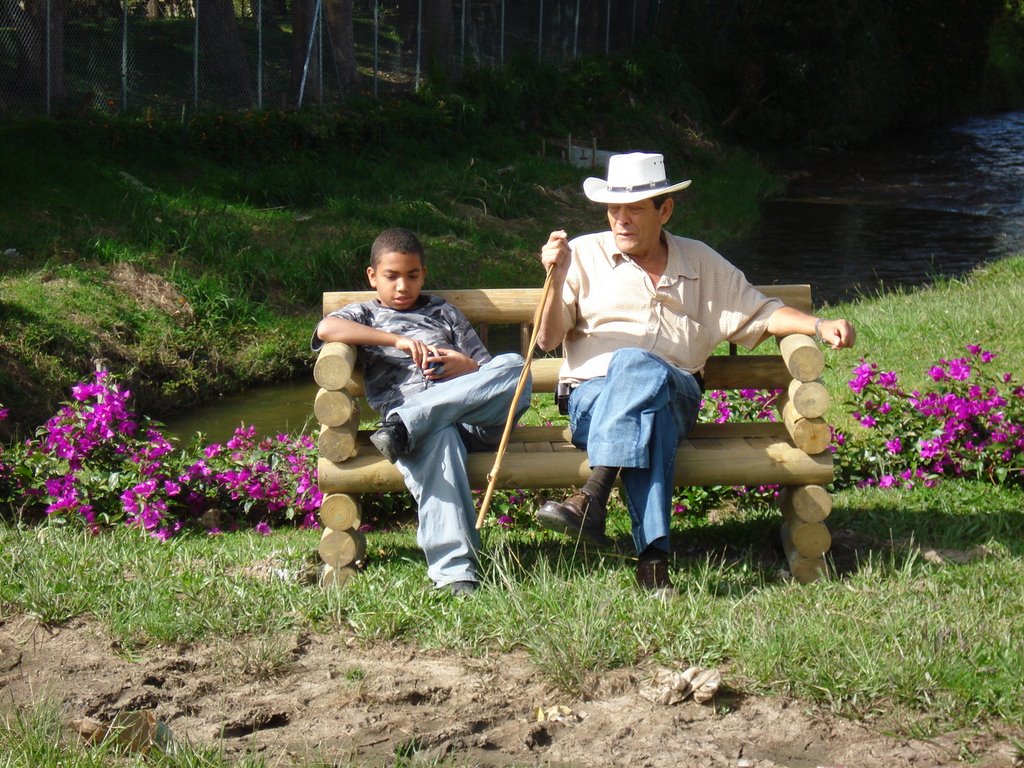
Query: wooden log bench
point(792, 452)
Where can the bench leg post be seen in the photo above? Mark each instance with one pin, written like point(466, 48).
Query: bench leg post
point(342, 545)
point(805, 537)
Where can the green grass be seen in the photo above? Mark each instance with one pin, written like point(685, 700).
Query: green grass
point(36, 736)
point(192, 257)
point(931, 642)
point(244, 221)
point(909, 331)
point(918, 628)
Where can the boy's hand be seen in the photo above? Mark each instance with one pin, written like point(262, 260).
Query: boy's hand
point(448, 364)
point(417, 350)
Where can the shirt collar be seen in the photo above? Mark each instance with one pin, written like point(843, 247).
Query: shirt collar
point(677, 263)
point(676, 266)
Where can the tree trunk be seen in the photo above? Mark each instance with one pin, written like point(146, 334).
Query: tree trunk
point(438, 37)
point(342, 42)
point(222, 54)
point(269, 12)
point(30, 27)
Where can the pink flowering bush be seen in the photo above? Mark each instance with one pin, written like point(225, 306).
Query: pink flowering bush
point(969, 423)
point(6, 470)
point(95, 460)
point(720, 406)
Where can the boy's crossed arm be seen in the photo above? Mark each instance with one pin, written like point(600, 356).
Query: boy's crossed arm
point(437, 363)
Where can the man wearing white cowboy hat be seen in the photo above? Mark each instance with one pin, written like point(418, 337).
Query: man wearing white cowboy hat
point(639, 311)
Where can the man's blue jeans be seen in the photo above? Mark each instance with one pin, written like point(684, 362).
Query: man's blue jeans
point(634, 418)
point(445, 421)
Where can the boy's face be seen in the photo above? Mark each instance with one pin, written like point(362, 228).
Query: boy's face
point(398, 279)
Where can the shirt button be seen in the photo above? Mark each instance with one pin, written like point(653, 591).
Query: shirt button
point(652, 328)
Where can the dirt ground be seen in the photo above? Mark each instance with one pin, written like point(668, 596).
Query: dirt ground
point(336, 702)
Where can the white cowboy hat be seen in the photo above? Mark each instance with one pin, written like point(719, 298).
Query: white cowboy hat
point(631, 177)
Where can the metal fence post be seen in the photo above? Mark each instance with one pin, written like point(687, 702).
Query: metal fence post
point(540, 34)
point(309, 52)
point(608, 28)
point(576, 32)
point(462, 40)
point(259, 54)
point(195, 60)
point(124, 57)
point(376, 32)
point(319, 21)
point(419, 40)
point(49, 56)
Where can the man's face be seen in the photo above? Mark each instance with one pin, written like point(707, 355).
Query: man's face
point(637, 226)
point(398, 279)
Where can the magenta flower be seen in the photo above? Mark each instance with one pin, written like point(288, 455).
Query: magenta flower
point(887, 380)
point(959, 370)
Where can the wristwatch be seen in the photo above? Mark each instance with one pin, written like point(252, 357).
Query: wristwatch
point(817, 329)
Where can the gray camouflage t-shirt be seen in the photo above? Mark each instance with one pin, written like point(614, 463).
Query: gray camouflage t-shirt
point(390, 374)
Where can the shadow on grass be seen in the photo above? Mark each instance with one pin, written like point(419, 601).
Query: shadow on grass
point(731, 552)
point(958, 521)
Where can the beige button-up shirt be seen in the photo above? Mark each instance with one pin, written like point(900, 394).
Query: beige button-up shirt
point(609, 302)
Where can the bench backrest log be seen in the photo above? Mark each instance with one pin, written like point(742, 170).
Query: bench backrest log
point(516, 306)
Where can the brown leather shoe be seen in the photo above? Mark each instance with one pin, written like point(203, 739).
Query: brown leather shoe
point(652, 575)
point(577, 516)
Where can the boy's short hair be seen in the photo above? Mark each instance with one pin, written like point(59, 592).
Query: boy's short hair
point(395, 240)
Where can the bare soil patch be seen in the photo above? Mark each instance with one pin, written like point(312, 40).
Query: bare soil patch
point(330, 700)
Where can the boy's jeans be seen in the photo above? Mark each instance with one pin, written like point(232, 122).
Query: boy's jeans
point(634, 418)
point(444, 422)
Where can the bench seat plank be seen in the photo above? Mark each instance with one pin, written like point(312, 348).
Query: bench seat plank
point(729, 458)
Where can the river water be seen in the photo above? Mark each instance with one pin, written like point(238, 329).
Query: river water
point(896, 214)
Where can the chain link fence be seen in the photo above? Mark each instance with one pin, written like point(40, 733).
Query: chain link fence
point(170, 57)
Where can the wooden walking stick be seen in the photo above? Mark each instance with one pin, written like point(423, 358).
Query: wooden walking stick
point(492, 476)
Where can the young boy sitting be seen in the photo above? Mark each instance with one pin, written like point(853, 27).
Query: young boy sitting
point(439, 394)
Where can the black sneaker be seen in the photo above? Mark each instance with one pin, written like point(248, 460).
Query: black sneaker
point(392, 439)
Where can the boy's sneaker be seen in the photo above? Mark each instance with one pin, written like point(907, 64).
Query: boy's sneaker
point(392, 439)
point(463, 588)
